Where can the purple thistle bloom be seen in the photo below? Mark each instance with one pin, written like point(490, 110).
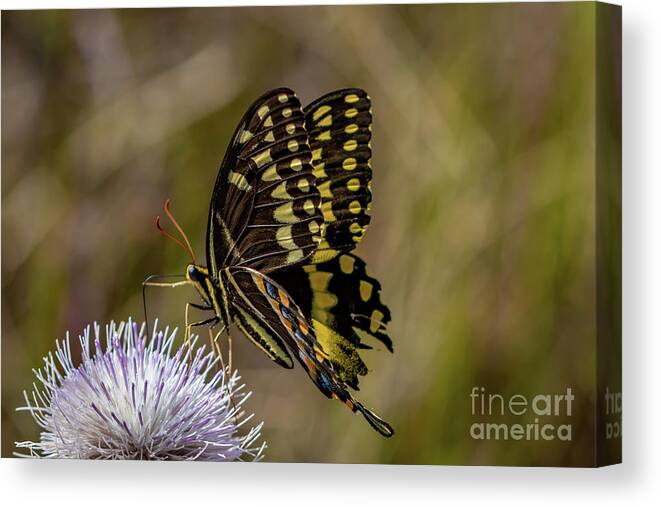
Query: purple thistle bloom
point(135, 399)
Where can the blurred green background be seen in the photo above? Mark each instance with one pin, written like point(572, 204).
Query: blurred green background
point(483, 214)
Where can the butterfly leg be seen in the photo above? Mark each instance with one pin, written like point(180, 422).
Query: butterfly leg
point(191, 325)
point(201, 307)
point(229, 350)
point(215, 346)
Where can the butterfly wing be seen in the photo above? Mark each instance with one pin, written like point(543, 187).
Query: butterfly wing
point(339, 129)
point(265, 207)
point(263, 300)
point(341, 300)
point(265, 215)
point(344, 306)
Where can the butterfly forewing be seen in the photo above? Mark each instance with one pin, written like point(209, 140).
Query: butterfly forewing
point(265, 210)
point(339, 129)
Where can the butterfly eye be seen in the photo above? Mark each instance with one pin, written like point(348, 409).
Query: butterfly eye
point(191, 272)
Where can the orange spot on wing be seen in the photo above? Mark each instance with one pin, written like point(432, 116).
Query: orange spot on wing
point(260, 283)
point(284, 299)
point(287, 324)
point(309, 363)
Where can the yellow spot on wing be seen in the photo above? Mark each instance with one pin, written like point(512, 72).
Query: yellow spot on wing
point(349, 164)
point(262, 158)
point(320, 112)
point(294, 256)
point(313, 227)
point(245, 136)
point(286, 112)
point(324, 300)
point(327, 210)
point(319, 280)
point(376, 320)
point(303, 185)
point(350, 145)
point(282, 97)
point(353, 184)
point(324, 136)
point(324, 189)
point(326, 122)
point(239, 181)
point(324, 253)
point(351, 128)
point(284, 238)
point(271, 174)
point(355, 207)
point(280, 192)
point(292, 145)
point(351, 99)
point(270, 137)
point(296, 164)
point(365, 290)
point(351, 113)
point(316, 154)
point(355, 227)
point(319, 170)
point(308, 206)
point(290, 128)
point(346, 264)
point(262, 111)
point(285, 213)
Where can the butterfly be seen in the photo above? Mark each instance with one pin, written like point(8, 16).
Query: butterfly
point(290, 202)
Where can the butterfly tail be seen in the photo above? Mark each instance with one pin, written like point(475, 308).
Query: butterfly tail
point(375, 421)
point(331, 387)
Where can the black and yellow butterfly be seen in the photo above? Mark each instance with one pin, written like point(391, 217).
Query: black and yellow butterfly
point(290, 202)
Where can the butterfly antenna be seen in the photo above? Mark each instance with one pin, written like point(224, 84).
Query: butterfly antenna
point(170, 236)
point(166, 208)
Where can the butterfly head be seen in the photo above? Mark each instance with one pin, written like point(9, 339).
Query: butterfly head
point(199, 277)
point(196, 274)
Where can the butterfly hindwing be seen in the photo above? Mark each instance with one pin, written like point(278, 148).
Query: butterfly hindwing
point(268, 303)
point(339, 130)
point(265, 208)
point(271, 305)
point(344, 306)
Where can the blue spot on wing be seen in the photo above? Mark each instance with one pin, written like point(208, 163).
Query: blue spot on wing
point(287, 314)
point(272, 291)
point(324, 382)
point(299, 336)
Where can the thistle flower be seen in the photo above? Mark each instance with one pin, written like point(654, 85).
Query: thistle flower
point(135, 399)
